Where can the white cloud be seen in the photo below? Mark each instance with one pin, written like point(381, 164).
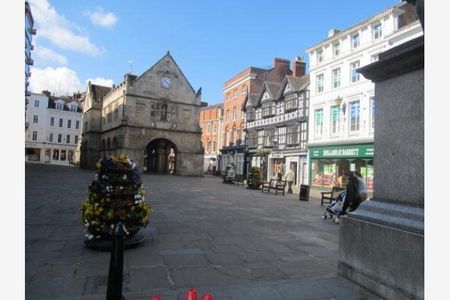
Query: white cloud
point(59, 81)
point(101, 81)
point(59, 30)
point(46, 55)
point(102, 18)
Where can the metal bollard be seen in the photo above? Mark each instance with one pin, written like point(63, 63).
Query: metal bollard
point(114, 289)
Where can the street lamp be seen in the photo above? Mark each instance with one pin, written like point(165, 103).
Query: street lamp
point(275, 143)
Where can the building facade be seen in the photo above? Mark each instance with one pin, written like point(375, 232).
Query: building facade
point(277, 126)
point(343, 102)
point(54, 128)
point(211, 119)
point(153, 118)
point(29, 32)
point(235, 90)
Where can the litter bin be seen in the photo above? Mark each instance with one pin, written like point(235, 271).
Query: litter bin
point(304, 193)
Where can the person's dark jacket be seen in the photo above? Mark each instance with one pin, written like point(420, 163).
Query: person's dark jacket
point(352, 193)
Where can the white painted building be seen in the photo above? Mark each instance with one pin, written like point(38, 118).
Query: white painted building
point(54, 129)
point(342, 105)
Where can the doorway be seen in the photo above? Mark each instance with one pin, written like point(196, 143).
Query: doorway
point(160, 157)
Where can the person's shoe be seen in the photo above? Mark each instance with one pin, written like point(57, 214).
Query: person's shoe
point(336, 220)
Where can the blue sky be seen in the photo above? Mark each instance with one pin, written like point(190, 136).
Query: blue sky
point(210, 40)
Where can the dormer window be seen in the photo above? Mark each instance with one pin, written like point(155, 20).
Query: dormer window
point(73, 108)
point(59, 106)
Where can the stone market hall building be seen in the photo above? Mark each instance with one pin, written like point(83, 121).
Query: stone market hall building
point(153, 118)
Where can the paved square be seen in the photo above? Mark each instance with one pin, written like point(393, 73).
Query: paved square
point(223, 239)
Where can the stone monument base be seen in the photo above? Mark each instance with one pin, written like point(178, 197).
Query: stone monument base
point(105, 244)
point(381, 249)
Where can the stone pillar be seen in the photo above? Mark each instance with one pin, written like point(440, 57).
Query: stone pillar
point(381, 244)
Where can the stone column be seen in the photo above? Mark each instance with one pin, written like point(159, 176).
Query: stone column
point(381, 245)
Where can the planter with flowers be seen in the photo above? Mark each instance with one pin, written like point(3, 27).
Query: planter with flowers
point(116, 194)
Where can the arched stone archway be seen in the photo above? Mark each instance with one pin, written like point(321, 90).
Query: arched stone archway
point(160, 157)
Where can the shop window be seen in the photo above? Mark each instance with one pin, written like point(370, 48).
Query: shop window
point(63, 155)
point(354, 116)
point(55, 154)
point(70, 155)
point(335, 119)
point(318, 122)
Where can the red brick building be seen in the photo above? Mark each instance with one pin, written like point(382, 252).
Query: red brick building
point(211, 118)
point(250, 80)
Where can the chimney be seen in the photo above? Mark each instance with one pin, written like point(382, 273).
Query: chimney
point(46, 93)
point(299, 67)
point(279, 63)
point(333, 32)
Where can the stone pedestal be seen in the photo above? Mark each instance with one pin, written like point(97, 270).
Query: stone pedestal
point(381, 244)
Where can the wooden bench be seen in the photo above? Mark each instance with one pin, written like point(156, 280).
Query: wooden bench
point(330, 196)
point(268, 185)
point(274, 184)
point(280, 185)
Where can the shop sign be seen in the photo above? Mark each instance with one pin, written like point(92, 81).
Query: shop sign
point(30, 144)
point(342, 151)
point(276, 155)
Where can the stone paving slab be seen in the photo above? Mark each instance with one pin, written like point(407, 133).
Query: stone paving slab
point(223, 239)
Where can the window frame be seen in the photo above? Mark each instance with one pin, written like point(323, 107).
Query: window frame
point(356, 35)
point(318, 128)
point(320, 83)
point(354, 76)
point(354, 123)
point(336, 77)
point(377, 31)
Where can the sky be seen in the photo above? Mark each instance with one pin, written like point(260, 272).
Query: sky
point(211, 41)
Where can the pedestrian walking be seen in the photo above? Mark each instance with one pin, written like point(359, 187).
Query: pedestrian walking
point(289, 176)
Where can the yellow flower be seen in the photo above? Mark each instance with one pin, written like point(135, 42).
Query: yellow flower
point(98, 165)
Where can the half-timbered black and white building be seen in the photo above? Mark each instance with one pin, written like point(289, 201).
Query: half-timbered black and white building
point(276, 128)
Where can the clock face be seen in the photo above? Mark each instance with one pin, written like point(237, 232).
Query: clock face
point(166, 82)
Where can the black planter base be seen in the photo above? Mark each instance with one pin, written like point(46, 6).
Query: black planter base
point(105, 244)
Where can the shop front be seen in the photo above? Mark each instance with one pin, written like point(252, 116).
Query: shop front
point(328, 164)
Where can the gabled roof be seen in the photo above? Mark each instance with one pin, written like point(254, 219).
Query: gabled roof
point(251, 99)
point(296, 84)
point(181, 72)
point(272, 90)
point(98, 91)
